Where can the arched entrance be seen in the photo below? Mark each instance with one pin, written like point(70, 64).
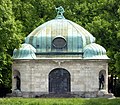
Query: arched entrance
point(59, 81)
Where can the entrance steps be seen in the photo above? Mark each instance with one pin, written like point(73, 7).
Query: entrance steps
point(99, 94)
point(56, 96)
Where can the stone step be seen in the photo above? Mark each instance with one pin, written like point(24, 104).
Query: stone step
point(55, 95)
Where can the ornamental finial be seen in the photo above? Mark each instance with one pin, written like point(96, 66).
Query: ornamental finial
point(60, 11)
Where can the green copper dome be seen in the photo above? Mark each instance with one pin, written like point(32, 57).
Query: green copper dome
point(25, 52)
point(94, 51)
point(76, 37)
point(60, 37)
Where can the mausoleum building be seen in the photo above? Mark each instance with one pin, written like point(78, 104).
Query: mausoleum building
point(59, 57)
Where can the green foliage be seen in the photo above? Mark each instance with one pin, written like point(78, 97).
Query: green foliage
point(60, 101)
point(117, 89)
point(19, 17)
point(117, 64)
point(9, 39)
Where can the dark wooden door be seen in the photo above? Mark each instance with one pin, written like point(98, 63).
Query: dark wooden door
point(59, 81)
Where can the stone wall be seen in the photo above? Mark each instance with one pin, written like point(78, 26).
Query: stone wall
point(34, 74)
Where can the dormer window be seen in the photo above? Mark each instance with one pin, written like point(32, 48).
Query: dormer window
point(59, 43)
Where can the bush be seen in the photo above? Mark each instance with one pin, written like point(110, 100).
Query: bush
point(4, 90)
point(117, 89)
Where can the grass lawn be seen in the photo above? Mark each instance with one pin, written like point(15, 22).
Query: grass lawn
point(58, 101)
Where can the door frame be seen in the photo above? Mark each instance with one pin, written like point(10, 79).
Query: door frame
point(66, 77)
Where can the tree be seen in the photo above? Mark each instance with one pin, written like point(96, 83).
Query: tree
point(19, 17)
point(9, 39)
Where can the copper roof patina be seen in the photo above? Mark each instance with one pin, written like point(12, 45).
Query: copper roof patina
point(79, 42)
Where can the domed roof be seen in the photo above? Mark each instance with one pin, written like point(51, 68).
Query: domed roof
point(26, 51)
point(76, 37)
point(94, 51)
point(60, 38)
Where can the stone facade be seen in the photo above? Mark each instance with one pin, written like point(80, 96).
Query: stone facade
point(84, 75)
point(60, 57)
